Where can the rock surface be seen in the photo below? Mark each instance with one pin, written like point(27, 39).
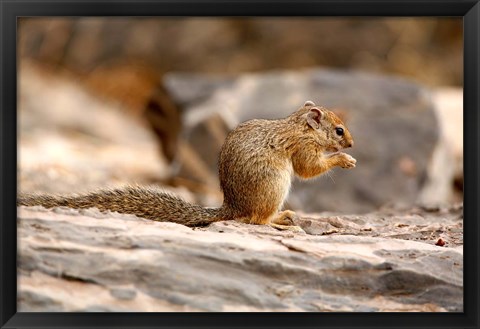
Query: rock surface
point(401, 157)
point(388, 260)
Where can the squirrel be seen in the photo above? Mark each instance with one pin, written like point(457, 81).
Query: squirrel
point(257, 162)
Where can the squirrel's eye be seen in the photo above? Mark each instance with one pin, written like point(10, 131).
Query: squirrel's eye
point(339, 131)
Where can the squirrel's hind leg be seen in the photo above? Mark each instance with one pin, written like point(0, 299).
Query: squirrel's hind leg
point(284, 221)
point(285, 217)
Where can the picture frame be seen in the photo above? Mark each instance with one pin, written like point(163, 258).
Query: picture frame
point(11, 10)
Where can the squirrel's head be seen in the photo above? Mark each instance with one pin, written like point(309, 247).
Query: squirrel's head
point(327, 126)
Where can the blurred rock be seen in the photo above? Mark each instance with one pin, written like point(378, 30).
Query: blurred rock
point(71, 260)
point(71, 141)
point(449, 109)
point(401, 157)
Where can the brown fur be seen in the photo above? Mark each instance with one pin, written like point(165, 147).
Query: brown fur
point(256, 165)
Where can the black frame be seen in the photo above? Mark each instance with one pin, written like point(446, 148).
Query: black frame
point(10, 10)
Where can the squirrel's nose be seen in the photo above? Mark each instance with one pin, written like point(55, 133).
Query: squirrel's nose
point(350, 144)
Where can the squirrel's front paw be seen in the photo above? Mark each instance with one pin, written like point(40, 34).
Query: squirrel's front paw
point(346, 160)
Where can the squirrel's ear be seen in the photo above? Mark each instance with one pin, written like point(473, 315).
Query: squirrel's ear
point(313, 117)
point(309, 103)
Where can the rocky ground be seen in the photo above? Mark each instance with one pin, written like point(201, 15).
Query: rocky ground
point(360, 259)
point(389, 260)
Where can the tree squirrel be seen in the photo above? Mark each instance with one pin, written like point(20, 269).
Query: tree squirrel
point(256, 164)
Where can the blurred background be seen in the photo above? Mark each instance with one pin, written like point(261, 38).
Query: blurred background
point(114, 101)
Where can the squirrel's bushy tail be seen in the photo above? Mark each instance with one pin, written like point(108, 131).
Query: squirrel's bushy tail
point(145, 202)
